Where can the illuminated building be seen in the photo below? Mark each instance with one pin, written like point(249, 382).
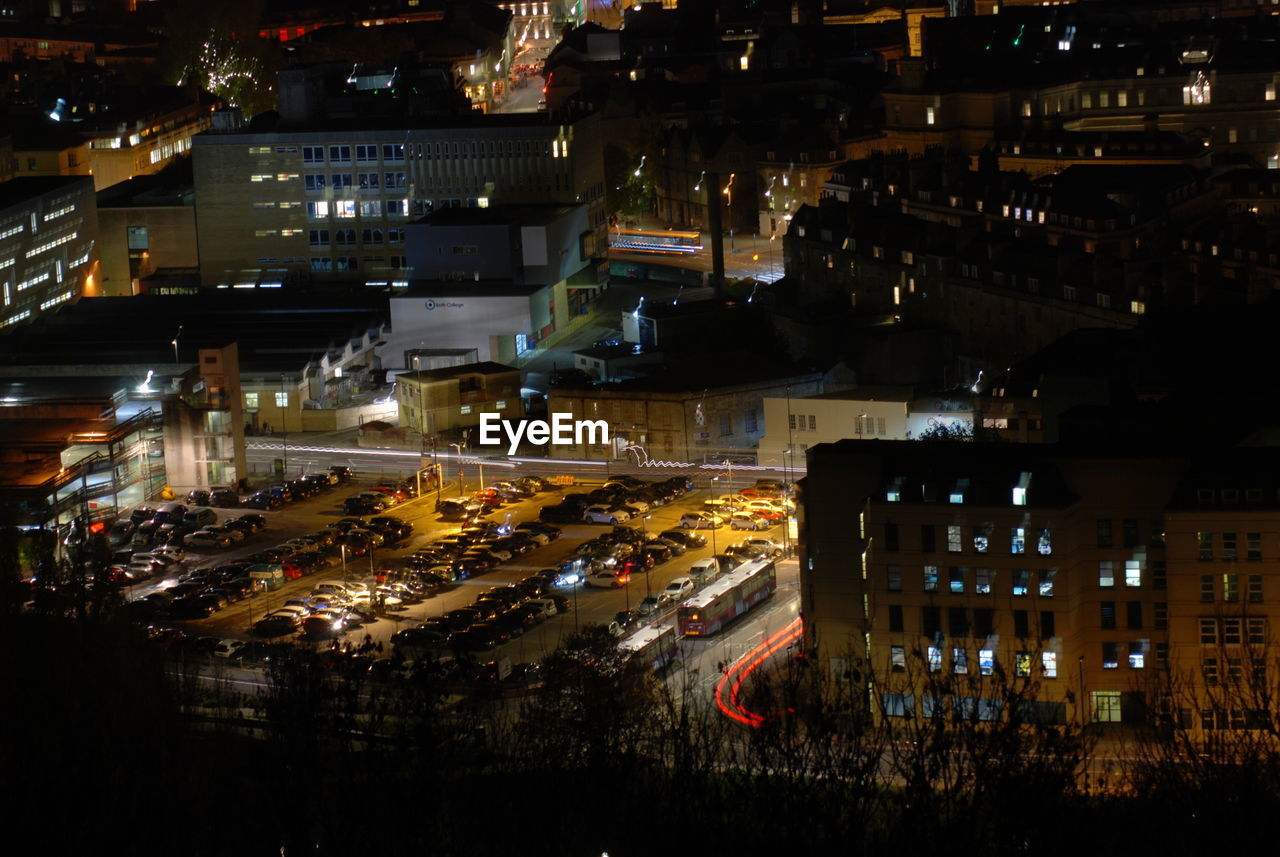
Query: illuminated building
point(48, 236)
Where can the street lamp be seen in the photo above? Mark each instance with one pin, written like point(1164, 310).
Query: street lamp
point(284, 428)
point(728, 192)
point(457, 448)
point(174, 343)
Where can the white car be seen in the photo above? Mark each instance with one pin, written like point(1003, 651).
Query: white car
point(677, 590)
point(235, 535)
point(174, 553)
point(545, 605)
point(637, 504)
point(227, 648)
point(747, 521)
point(700, 521)
point(330, 599)
point(605, 515)
point(764, 505)
point(770, 547)
point(285, 615)
point(206, 540)
point(606, 580)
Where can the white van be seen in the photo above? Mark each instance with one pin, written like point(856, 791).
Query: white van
point(704, 571)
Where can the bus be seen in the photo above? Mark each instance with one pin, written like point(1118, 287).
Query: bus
point(654, 241)
point(655, 645)
point(729, 597)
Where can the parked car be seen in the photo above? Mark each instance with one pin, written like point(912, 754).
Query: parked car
point(701, 521)
point(768, 546)
point(748, 521)
point(602, 514)
point(198, 497)
point(690, 540)
point(264, 500)
point(228, 648)
point(234, 533)
point(224, 498)
point(677, 590)
point(205, 540)
point(197, 518)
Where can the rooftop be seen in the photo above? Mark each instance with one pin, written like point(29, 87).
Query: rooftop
point(16, 192)
point(485, 367)
point(275, 333)
point(500, 215)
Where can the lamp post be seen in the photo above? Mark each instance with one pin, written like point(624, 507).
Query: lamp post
point(457, 448)
point(174, 343)
point(728, 192)
point(284, 428)
point(343, 548)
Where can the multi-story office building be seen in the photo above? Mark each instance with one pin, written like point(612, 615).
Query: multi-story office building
point(331, 199)
point(48, 233)
point(1113, 585)
point(134, 131)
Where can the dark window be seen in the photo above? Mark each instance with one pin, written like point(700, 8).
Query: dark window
point(931, 621)
point(1047, 625)
point(1134, 617)
point(928, 539)
point(891, 537)
point(1021, 627)
point(958, 621)
point(895, 617)
point(1108, 614)
point(984, 622)
point(1130, 533)
point(1104, 532)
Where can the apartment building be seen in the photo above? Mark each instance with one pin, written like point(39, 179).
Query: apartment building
point(1102, 579)
point(1217, 83)
point(331, 200)
point(48, 236)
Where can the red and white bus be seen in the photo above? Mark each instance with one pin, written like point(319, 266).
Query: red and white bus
point(654, 645)
point(730, 596)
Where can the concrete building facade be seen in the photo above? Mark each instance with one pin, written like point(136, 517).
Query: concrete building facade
point(333, 201)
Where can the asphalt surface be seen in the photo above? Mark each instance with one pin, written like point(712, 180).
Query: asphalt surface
point(587, 605)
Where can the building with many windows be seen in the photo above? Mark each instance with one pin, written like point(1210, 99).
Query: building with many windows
point(1110, 587)
point(48, 233)
point(331, 200)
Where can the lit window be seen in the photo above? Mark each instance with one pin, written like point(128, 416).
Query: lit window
point(928, 116)
point(986, 661)
point(465, 409)
point(1049, 664)
point(959, 660)
point(744, 62)
point(1017, 540)
point(954, 542)
point(1106, 574)
point(930, 578)
point(1133, 573)
point(1019, 496)
point(1021, 578)
point(282, 399)
point(501, 404)
point(251, 401)
point(935, 659)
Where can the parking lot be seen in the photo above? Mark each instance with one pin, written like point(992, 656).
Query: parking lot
point(585, 604)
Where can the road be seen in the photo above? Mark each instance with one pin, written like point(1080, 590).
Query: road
point(524, 97)
point(747, 256)
point(303, 457)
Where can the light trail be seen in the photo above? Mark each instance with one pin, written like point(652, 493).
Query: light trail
point(748, 664)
